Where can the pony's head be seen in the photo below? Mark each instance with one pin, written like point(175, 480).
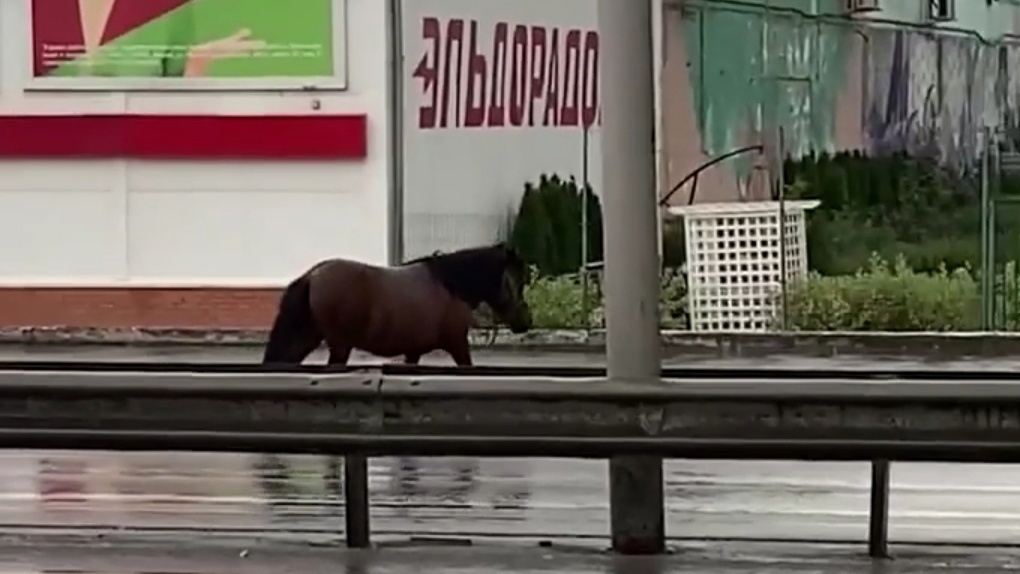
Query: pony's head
point(509, 303)
point(495, 275)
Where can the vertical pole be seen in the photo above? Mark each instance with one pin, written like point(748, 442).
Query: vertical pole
point(658, 56)
point(585, 232)
point(987, 240)
point(878, 523)
point(395, 105)
point(993, 181)
point(631, 254)
point(783, 264)
point(356, 512)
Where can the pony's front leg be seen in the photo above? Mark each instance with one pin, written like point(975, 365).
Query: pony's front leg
point(408, 466)
point(334, 487)
point(461, 352)
point(355, 490)
point(338, 355)
point(355, 483)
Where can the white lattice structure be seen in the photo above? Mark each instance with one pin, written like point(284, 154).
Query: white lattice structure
point(734, 261)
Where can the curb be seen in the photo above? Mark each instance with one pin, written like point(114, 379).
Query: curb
point(675, 343)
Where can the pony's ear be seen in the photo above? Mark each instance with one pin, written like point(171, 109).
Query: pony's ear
point(513, 255)
point(510, 252)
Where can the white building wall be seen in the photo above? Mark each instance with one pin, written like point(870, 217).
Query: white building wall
point(461, 181)
point(209, 223)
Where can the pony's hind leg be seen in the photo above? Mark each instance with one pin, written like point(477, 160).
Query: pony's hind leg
point(293, 334)
point(292, 350)
point(292, 338)
point(338, 345)
point(305, 346)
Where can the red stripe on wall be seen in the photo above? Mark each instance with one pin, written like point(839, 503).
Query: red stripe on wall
point(184, 137)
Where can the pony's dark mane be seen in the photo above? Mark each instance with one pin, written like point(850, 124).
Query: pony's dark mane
point(472, 275)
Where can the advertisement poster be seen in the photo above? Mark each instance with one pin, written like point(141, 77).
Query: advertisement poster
point(187, 42)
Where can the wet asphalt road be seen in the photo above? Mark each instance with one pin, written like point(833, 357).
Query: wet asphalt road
point(509, 499)
point(258, 557)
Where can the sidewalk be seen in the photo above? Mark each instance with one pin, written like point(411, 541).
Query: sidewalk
point(510, 356)
point(674, 343)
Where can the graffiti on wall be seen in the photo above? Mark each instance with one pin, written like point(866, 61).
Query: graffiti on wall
point(933, 94)
point(831, 86)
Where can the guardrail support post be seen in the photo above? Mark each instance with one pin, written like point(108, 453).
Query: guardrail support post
point(631, 254)
point(878, 517)
point(356, 509)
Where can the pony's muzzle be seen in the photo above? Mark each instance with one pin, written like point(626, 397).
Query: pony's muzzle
point(520, 321)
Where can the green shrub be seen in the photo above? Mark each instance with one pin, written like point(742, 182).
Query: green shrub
point(547, 228)
point(884, 297)
point(892, 205)
point(1006, 289)
point(531, 230)
point(839, 244)
point(673, 310)
point(558, 302)
point(892, 189)
point(879, 297)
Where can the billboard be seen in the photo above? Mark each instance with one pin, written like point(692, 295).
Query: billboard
point(188, 44)
point(496, 94)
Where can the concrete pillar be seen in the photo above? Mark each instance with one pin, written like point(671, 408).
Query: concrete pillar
point(631, 253)
point(357, 511)
point(878, 520)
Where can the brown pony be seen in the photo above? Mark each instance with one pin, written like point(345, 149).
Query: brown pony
point(421, 306)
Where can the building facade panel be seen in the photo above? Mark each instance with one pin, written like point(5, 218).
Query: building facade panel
point(124, 227)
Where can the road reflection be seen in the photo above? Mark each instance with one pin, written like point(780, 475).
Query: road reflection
point(413, 478)
point(405, 483)
point(495, 483)
point(496, 497)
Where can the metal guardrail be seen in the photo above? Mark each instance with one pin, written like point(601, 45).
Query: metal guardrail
point(500, 370)
point(366, 412)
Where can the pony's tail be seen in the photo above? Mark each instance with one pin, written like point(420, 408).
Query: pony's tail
point(293, 323)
